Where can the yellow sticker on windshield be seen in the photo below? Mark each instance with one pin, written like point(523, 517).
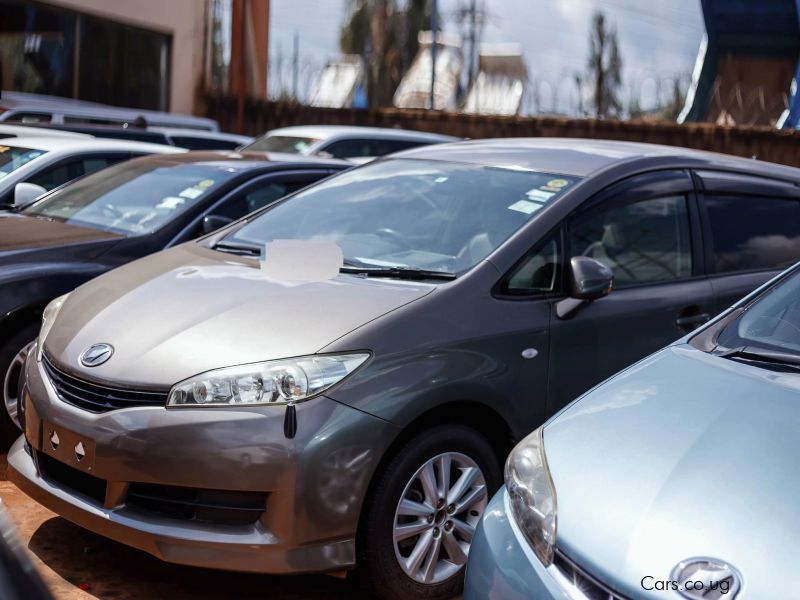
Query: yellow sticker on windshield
point(4, 148)
point(557, 183)
point(206, 183)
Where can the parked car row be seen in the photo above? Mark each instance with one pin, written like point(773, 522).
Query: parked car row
point(279, 364)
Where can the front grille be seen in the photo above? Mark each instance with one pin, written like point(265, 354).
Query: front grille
point(581, 584)
point(71, 478)
point(98, 398)
point(193, 504)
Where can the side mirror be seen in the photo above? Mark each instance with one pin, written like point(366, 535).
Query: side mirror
point(25, 193)
point(213, 222)
point(589, 280)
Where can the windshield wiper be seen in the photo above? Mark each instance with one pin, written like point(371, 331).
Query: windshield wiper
point(239, 248)
point(763, 355)
point(398, 272)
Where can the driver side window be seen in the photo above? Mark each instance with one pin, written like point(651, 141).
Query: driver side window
point(643, 242)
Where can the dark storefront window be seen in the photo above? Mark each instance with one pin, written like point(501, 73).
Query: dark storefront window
point(46, 50)
point(128, 65)
point(37, 48)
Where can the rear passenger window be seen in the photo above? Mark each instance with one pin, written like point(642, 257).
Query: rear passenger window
point(52, 177)
point(349, 149)
point(752, 233)
point(261, 195)
point(643, 242)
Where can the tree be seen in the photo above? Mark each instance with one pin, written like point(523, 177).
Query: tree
point(604, 68)
point(386, 38)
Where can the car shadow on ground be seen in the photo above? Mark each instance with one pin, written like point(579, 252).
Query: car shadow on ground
point(107, 570)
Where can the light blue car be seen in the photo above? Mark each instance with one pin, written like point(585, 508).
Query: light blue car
point(677, 478)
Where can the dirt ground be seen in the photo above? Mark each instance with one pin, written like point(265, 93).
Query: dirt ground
point(70, 558)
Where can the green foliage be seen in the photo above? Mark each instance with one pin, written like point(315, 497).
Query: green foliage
point(385, 36)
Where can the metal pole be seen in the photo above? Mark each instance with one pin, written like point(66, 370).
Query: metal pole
point(434, 26)
point(295, 64)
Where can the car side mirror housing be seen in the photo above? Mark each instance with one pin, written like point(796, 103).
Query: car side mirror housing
point(26, 193)
point(213, 222)
point(589, 280)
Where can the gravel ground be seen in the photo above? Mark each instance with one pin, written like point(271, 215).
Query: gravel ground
point(70, 558)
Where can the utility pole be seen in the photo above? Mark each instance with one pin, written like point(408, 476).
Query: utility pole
point(434, 27)
point(295, 64)
point(472, 16)
point(473, 9)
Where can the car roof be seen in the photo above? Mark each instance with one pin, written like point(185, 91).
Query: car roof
point(579, 156)
point(328, 131)
point(26, 131)
point(37, 103)
point(246, 161)
point(61, 143)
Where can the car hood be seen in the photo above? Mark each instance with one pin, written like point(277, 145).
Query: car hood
point(187, 310)
point(682, 455)
point(19, 233)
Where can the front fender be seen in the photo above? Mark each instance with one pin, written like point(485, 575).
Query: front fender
point(401, 387)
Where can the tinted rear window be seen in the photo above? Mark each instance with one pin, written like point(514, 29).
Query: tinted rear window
point(752, 233)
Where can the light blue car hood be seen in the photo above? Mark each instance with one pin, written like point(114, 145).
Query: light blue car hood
point(682, 455)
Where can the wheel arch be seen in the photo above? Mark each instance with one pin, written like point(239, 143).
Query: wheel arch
point(483, 419)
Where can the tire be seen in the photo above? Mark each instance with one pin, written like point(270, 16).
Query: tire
point(9, 377)
point(379, 567)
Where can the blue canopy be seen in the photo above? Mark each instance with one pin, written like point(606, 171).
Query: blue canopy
point(762, 28)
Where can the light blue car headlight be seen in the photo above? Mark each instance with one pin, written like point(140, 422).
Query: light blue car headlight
point(285, 381)
point(532, 496)
point(48, 318)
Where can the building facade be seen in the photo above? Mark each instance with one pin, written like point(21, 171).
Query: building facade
point(149, 54)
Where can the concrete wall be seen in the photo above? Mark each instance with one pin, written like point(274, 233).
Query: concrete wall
point(184, 20)
point(780, 146)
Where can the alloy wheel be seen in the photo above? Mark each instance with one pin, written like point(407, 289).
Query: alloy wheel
point(436, 517)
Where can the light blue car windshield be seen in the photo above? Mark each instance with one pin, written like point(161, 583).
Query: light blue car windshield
point(421, 214)
point(773, 321)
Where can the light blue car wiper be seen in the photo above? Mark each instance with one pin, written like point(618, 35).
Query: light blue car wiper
point(751, 353)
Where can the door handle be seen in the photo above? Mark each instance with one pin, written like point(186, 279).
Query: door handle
point(690, 320)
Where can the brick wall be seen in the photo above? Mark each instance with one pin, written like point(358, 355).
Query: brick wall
point(780, 146)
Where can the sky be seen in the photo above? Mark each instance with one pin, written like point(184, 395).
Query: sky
point(657, 40)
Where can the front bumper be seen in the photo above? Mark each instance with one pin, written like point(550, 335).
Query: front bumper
point(501, 563)
point(314, 483)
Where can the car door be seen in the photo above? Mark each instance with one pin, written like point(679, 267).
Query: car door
point(521, 308)
point(253, 195)
point(647, 230)
point(752, 228)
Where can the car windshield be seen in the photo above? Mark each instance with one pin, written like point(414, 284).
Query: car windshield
point(418, 214)
point(282, 143)
point(13, 157)
point(771, 323)
point(134, 197)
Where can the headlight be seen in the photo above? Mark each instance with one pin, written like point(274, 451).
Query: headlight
point(272, 382)
point(532, 496)
point(48, 317)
